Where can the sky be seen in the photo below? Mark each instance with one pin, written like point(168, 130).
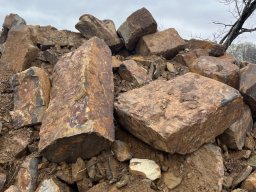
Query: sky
point(192, 19)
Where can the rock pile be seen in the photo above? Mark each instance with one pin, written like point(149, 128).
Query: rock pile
point(132, 109)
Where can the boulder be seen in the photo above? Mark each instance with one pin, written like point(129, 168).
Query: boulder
point(19, 49)
point(121, 151)
point(79, 119)
point(248, 86)
point(138, 24)
point(31, 96)
point(217, 69)
point(165, 43)
point(234, 136)
point(27, 175)
point(53, 185)
point(217, 50)
point(199, 44)
point(130, 71)
point(176, 115)
point(90, 26)
point(146, 168)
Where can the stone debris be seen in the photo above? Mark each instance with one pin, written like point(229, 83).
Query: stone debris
point(53, 185)
point(12, 188)
point(121, 151)
point(171, 180)
point(78, 170)
point(250, 183)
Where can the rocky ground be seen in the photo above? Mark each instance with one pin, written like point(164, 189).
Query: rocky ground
point(133, 109)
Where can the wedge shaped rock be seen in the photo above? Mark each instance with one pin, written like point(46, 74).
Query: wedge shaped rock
point(53, 185)
point(31, 96)
point(79, 119)
point(179, 115)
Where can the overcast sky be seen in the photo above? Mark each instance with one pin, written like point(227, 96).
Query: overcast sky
point(190, 18)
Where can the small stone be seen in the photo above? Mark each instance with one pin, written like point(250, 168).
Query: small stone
point(171, 68)
point(249, 143)
point(84, 185)
point(250, 182)
point(138, 24)
point(217, 50)
point(252, 161)
point(12, 188)
point(116, 62)
point(31, 96)
point(91, 167)
point(2, 179)
point(166, 43)
point(123, 181)
point(227, 182)
point(146, 168)
point(239, 190)
point(121, 151)
point(53, 185)
point(241, 176)
point(78, 169)
point(171, 180)
point(130, 71)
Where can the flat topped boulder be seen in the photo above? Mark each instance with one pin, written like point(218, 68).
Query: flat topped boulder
point(179, 115)
point(218, 69)
point(79, 119)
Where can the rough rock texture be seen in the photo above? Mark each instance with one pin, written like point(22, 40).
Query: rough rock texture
point(248, 86)
point(27, 175)
point(78, 170)
point(206, 171)
point(175, 116)
point(53, 185)
point(79, 119)
point(31, 96)
point(138, 24)
point(121, 151)
point(250, 183)
point(2, 179)
point(234, 136)
point(90, 26)
point(19, 49)
point(12, 188)
point(217, 69)
point(166, 43)
point(130, 71)
point(199, 44)
point(170, 180)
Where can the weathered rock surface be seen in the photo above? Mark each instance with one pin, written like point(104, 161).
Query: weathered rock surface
point(217, 69)
point(78, 170)
point(2, 179)
point(170, 180)
point(27, 175)
point(31, 96)
point(234, 136)
point(248, 86)
point(175, 116)
point(241, 176)
point(121, 150)
point(116, 62)
point(138, 24)
point(90, 26)
point(146, 168)
point(166, 43)
point(130, 71)
point(79, 119)
point(12, 188)
point(53, 185)
point(250, 183)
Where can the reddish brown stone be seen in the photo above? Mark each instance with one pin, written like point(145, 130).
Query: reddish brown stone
point(31, 96)
point(176, 115)
point(217, 69)
point(130, 71)
point(248, 86)
point(199, 44)
point(138, 24)
point(79, 119)
point(166, 43)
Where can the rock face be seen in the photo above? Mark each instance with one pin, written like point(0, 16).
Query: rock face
point(175, 116)
point(31, 96)
point(234, 136)
point(248, 86)
point(166, 43)
point(79, 119)
point(217, 69)
point(90, 26)
point(53, 185)
point(144, 167)
point(138, 24)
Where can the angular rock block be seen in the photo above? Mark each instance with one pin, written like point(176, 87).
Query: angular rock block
point(234, 136)
point(179, 115)
point(248, 86)
point(31, 96)
point(12, 188)
point(218, 69)
point(138, 24)
point(90, 26)
point(79, 119)
point(166, 43)
point(53, 185)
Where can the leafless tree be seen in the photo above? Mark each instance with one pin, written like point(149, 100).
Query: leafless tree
point(243, 9)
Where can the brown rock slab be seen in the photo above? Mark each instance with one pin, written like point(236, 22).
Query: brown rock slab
point(27, 175)
point(79, 119)
point(250, 182)
point(19, 49)
point(138, 24)
point(130, 71)
point(175, 116)
point(248, 86)
point(90, 26)
point(166, 43)
point(53, 185)
point(121, 151)
point(31, 96)
point(199, 44)
point(217, 69)
point(234, 136)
